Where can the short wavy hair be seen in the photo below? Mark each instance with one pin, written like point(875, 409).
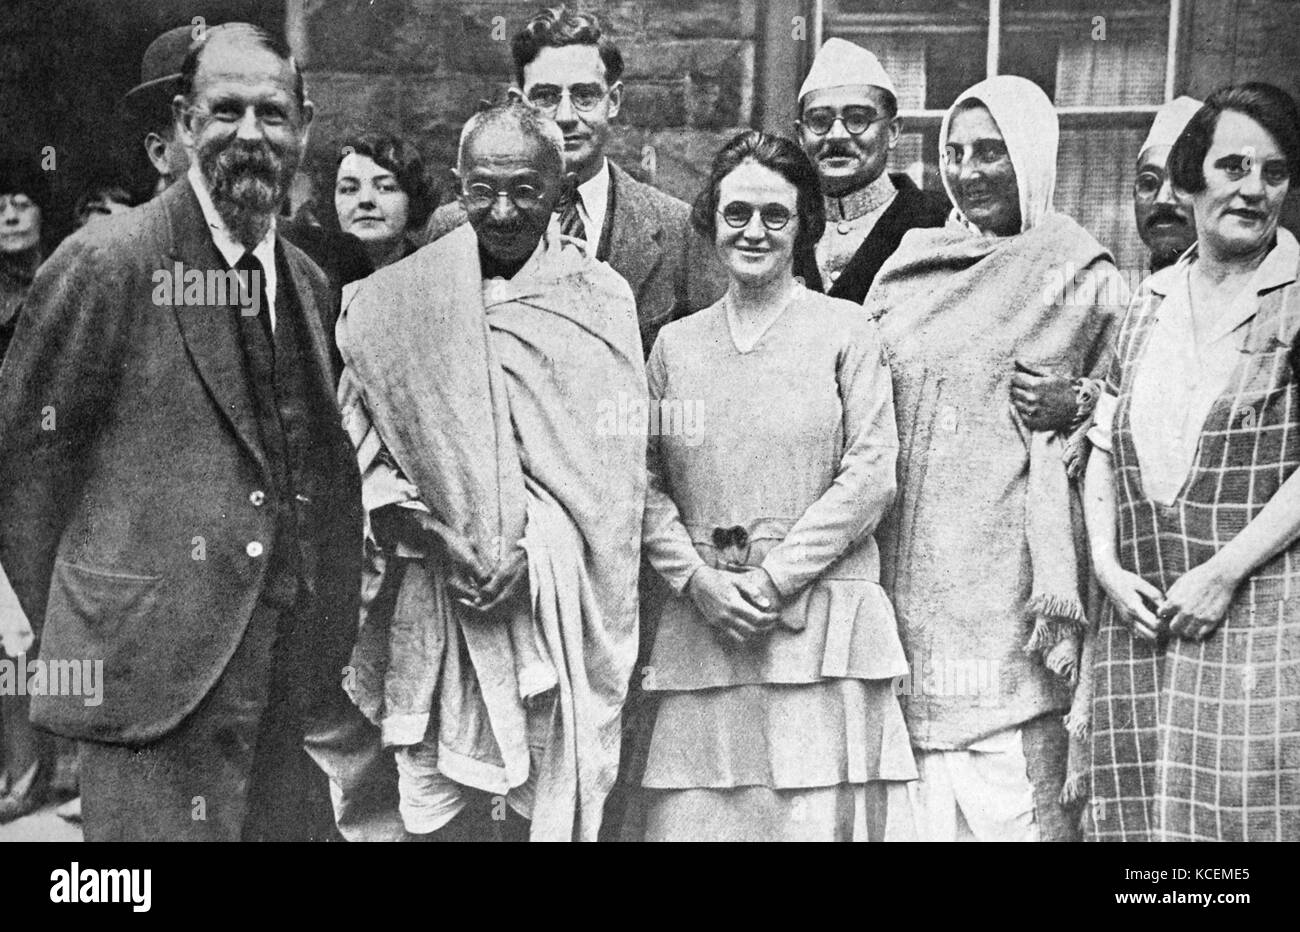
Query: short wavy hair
point(1269, 106)
point(787, 159)
point(403, 159)
point(557, 27)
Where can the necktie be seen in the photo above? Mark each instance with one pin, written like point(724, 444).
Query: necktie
point(571, 221)
point(253, 275)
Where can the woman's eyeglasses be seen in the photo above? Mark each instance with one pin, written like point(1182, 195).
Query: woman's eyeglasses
point(583, 97)
point(737, 214)
point(819, 120)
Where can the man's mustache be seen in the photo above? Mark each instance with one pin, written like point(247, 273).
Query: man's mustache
point(838, 149)
point(1165, 215)
point(250, 158)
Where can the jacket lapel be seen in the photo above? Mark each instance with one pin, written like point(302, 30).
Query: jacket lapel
point(322, 369)
point(636, 245)
point(211, 334)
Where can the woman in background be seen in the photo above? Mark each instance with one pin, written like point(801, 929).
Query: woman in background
point(771, 460)
point(381, 195)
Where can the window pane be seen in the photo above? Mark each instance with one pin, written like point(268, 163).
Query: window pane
point(932, 49)
point(1107, 54)
point(1094, 185)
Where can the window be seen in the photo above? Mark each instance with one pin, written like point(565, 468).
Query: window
point(1108, 67)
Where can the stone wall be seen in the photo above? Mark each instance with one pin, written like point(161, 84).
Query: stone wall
point(420, 67)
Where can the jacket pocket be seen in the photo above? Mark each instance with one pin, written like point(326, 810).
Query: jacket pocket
point(98, 600)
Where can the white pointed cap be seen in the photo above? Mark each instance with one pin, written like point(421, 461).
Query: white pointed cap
point(1171, 120)
point(840, 62)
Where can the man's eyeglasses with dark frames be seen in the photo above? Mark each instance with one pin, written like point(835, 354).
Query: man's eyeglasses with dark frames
point(856, 120)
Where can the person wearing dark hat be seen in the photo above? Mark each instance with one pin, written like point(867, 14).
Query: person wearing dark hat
point(193, 524)
point(149, 103)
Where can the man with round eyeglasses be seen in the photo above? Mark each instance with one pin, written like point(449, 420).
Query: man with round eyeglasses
point(848, 124)
point(505, 499)
point(569, 70)
point(1163, 221)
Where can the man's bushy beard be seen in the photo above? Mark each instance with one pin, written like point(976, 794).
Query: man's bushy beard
point(248, 182)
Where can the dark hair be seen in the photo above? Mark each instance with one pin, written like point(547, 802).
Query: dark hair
point(103, 190)
point(782, 156)
point(254, 35)
point(558, 27)
point(401, 158)
point(19, 176)
point(1271, 107)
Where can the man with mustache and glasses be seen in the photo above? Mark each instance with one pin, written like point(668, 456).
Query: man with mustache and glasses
point(848, 125)
point(569, 70)
point(1163, 221)
point(181, 503)
point(498, 652)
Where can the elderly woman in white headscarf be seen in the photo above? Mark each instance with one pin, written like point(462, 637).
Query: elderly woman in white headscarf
point(983, 554)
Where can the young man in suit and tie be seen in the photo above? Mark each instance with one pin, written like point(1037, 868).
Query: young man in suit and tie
point(569, 70)
point(182, 507)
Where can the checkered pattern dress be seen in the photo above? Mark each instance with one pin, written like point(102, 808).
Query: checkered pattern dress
point(1201, 741)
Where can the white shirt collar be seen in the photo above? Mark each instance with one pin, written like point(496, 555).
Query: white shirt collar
point(595, 204)
point(230, 248)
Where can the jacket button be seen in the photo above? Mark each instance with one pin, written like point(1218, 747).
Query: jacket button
point(257, 497)
point(254, 548)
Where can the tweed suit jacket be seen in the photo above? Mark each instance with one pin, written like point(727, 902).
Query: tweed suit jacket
point(137, 505)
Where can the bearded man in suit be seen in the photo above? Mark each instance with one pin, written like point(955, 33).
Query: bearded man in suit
point(182, 507)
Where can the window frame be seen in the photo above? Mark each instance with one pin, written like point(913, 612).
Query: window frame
point(1074, 117)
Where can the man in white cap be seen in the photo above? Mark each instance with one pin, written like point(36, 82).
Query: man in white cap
point(1163, 221)
point(848, 123)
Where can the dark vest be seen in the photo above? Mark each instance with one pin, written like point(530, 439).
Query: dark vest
point(279, 384)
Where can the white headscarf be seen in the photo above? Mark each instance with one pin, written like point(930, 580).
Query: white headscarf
point(1029, 126)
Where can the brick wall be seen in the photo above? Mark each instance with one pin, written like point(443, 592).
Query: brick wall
point(420, 67)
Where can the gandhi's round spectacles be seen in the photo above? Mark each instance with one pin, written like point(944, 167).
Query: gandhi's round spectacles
point(524, 196)
point(737, 215)
point(819, 120)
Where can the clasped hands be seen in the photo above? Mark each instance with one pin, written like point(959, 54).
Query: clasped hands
point(470, 582)
point(740, 606)
point(1193, 608)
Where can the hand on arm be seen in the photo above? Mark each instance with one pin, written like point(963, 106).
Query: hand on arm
point(1044, 402)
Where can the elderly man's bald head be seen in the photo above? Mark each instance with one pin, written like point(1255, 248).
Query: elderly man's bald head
point(509, 125)
point(511, 171)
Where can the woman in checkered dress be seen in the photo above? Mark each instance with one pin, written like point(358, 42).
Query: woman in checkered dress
point(1196, 709)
